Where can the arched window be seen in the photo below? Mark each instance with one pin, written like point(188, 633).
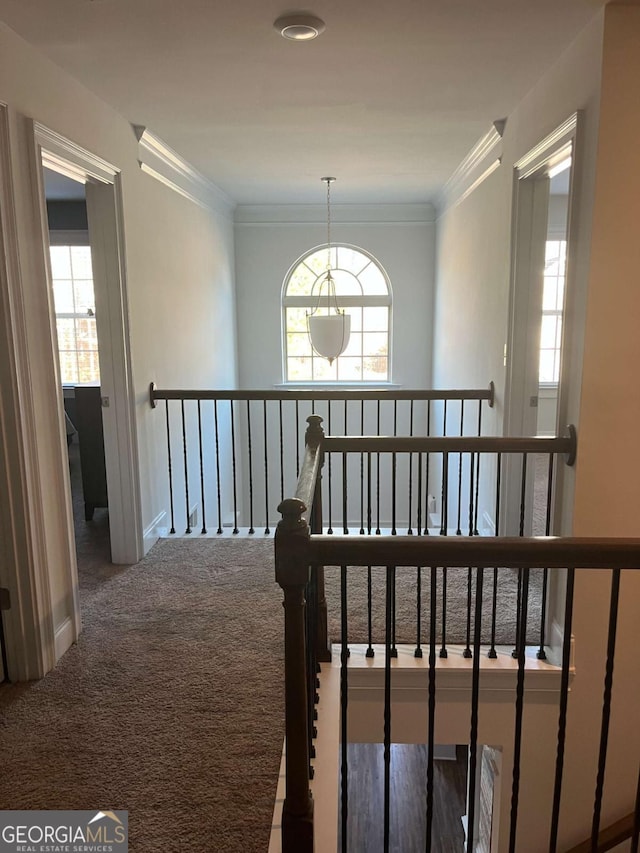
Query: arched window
point(363, 290)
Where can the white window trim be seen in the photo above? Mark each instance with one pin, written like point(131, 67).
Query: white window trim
point(363, 301)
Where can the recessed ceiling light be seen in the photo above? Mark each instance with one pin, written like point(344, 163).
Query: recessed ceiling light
point(299, 27)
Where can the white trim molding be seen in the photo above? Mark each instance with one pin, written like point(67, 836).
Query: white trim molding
point(540, 153)
point(167, 166)
point(344, 214)
point(153, 531)
point(483, 159)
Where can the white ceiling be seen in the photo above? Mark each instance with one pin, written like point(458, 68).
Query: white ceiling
point(389, 98)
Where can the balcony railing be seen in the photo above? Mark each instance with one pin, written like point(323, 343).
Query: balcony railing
point(302, 550)
point(231, 455)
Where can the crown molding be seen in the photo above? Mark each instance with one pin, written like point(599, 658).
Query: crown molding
point(168, 167)
point(483, 159)
point(345, 214)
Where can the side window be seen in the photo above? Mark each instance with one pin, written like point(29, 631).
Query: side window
point(364, 292)
point(75, 314)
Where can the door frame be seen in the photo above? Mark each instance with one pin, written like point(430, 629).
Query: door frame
point(106, 237)
point(522, 319)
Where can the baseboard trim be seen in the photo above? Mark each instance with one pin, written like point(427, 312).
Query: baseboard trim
point(152, 532)
point(64, 638)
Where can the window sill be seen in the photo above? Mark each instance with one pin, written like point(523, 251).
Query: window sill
point(327, 386)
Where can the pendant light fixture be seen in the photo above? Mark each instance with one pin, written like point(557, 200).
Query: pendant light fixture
point(329, 333)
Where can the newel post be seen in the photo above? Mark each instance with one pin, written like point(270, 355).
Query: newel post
point(292, 574)
point(313, 439)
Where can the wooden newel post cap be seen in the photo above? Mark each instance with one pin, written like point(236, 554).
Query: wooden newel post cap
point(314, 433)
point(291, 510)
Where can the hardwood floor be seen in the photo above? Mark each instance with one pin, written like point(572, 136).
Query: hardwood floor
point(408, 799)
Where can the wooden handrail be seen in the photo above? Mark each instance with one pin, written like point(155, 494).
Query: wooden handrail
point(488, 394)
point(549, 552)
point(453, 444)
point(610, 837)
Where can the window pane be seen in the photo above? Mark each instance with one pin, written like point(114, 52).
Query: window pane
point(550, 294)
point(373, 282)
point(323, 371)
point(376, 319)
point(375, 343)
point(376, 368)
point(81, 262)
point(88, 366)
point(346, 284)
point(351, 260)
point(68, 368)
point(299, 369)
point(63, 296)
point(84, 297)
point(60, 262)
point(301, 281)
point(547, 366)
point(354, 347)
point(66, 334)
point(296, 320)
point(298, 344)
point(86, 334)
point(349, 369)
point(548, 332)
point(356, 318)
point(317, 262)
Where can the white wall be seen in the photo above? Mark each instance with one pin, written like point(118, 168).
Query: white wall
point(270, 239)
point(473, 269)
point(179, 260)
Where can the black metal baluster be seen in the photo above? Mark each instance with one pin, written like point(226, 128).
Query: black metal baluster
point(330, 528)
point(169, 467)
point(410, 530)
point(562, 714)
point(394, 650)
point(459, 528)
point(475, 695)
point(432, 706)
point(370, 652)
point(418, 650)
point(492, 653)
point(218, 485)
point(378, 476)
point(475, 518)
point(443, 648)
point(362, 470)
point(443, 531)
point(186, 468)
point(472, 468)
point(467, 650)
point(394, 474)
point(344, 695)
point(345, 528)
point(387, 708)
point(250, 461)
point(426, 475)
point(281, 451)
point(311, 613)
point(204, 519)
point(419, 492)
point(369, 494)
point(298, 438)
point(445, 495)
point(266, 468)
point(517, 743)
point(606, 704)
point(523, 498)
point(233, 461)
point(635, 836)
point(541, 654)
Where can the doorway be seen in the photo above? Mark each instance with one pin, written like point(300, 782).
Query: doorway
point(543, 185)
point(105, 330)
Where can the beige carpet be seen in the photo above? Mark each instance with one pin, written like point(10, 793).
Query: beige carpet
point(170, 705)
